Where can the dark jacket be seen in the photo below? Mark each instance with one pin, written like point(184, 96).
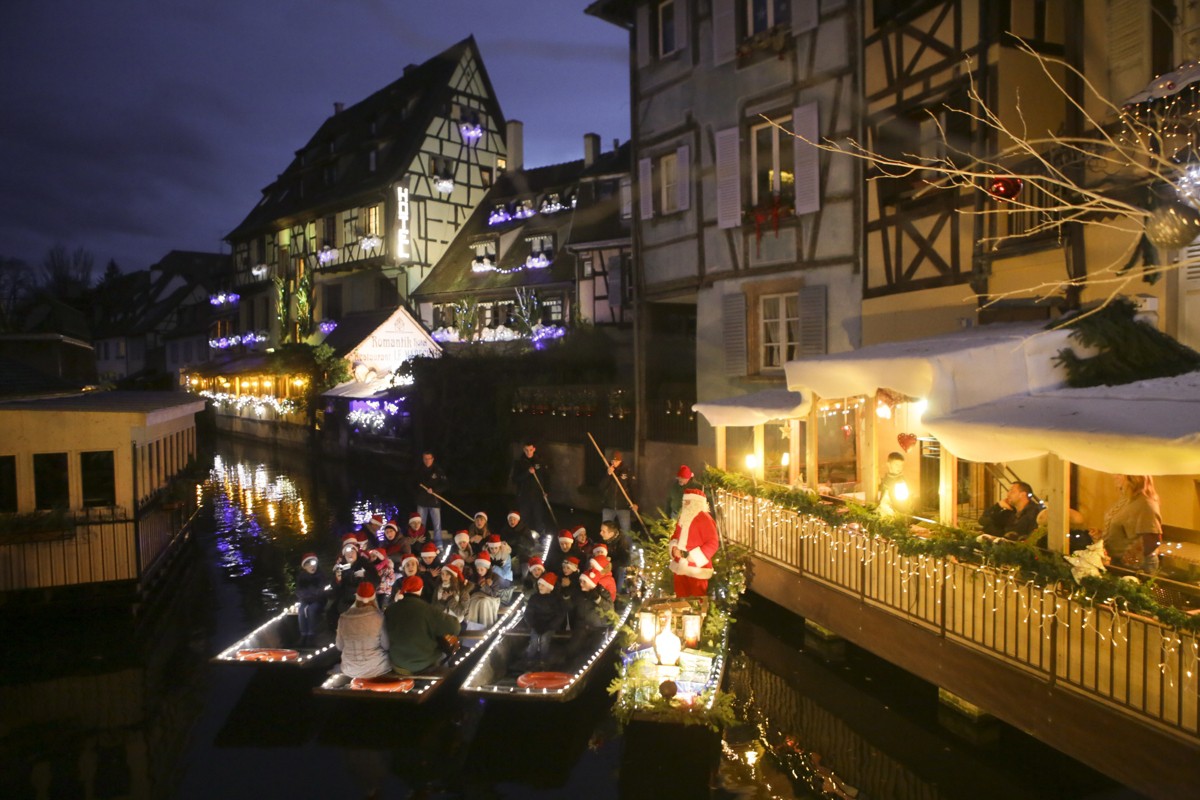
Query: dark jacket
point(546, 612)
point(610, 492)
point(346, 588)
point(435, 479)
point(525, 483)
point(999, 520)
point(415, 630)
point(675, 495)
point(311, 588)
point(619, 554)
point(590, 607)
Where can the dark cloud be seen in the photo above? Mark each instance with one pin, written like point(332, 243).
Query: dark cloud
point(135, 127)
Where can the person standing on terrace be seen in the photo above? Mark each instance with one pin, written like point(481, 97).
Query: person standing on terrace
point(1133, 526)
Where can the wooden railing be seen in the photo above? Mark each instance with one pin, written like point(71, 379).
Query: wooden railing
point(1134, 663)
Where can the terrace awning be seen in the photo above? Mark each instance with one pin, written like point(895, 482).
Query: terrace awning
point(1149, 427)
point(754, 409)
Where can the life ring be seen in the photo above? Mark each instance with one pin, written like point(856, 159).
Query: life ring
point(544, 680)
point(385, 683)
point(267, 654)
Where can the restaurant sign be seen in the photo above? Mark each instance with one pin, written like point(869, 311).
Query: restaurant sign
point(397, 340)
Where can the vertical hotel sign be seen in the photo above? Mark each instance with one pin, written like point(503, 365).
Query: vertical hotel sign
point(403, 237)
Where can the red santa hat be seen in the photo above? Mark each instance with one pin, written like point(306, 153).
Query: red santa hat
point(429, 547)
point(693, 493)
point(535, 561)
point(461, 538)
point(377, 554)
point(588, 579)
point(391, 523)
point(573, 561)
point(512, 514)
point(494, 539)
point(360, 539)
point(414, 518)
point(566, 536)
point(365, 592)
point(459, 562)
point(483, 558)
point(307, 557)
point(599, 564)
point(409, 557)
point(479, 514)
point(549, 579)
point(684, 472)
point(599, 549)
point(454, 569)
point(580, 532)
point(349, 538)
point(412, 585)
point(377, 520)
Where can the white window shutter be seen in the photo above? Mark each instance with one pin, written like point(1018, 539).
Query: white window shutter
point(733, 328)
point(683, 177)
point(724, 25)
point(806, 158)
point(646, 188)
point(643, 34)
point(729, 178)
point(681, 25)
point(806, 15)
point(813, 323)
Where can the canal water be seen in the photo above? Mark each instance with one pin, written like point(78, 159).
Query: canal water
point(93, 705)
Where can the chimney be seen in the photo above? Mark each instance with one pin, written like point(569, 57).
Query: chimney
point(337, 107)
point(616, 144)
point(515, 141)
point(591, 148)
point(409, 68)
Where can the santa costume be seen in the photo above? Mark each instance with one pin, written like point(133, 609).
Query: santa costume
point(693, 546)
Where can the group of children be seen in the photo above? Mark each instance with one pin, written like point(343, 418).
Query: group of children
point(385, 579)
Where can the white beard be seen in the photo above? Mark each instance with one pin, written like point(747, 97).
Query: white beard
point(688, 513)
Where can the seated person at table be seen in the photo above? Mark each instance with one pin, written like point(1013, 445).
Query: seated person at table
point(546, 615)
point(1014, 517)
point(416, 630)
point(362, 637)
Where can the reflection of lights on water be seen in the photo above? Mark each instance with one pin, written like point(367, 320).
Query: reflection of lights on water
point(271, 512)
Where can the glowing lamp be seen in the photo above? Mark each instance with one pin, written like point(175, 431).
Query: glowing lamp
point(751, 462)
point(667, 645)
point(883, 410)
point(691, 630)
point(646, 626)
point(785, 459)
point(900, 491)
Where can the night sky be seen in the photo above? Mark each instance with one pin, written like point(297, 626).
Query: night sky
point(135, 127)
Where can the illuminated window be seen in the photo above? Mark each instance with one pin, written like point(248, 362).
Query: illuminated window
point(771, 164)
point(668, 177)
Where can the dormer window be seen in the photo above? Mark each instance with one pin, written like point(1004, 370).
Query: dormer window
point(469, 125)
point(485, 256)
point(541, 251)
point(500, 215)
point(442, 171)
point(523, 209)
point(552, 204)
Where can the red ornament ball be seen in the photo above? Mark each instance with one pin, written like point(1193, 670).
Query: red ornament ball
point(1005, 187)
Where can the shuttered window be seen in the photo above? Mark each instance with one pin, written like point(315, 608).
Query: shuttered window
point(733, 323)
point(729, 180)
point(645, 189)
point(806, 158)
point(683, 179)
point(791, 325)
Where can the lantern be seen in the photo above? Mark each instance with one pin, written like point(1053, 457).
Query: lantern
point(646, 626)
point(667, 645)
point(1172, 225)
point(1005, 187)
point(691, 630)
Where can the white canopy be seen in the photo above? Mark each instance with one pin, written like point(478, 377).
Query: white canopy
point(1150, 427)
point(754, 409)
point(359, 390)
point(957, 370)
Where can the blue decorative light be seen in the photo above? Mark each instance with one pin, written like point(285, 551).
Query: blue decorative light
point(537, 261)
point(499, 216)
point(224, 298)
point(326, 326)
point(327, 255)
point(471, 131)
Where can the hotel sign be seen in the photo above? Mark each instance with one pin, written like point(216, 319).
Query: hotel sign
point(403, 239)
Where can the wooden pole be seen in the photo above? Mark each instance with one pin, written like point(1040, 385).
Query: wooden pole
point(447, 502)
point(607, 465)
point(545, 497)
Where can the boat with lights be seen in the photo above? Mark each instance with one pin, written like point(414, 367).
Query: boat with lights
point(420, 687)
point(276, 643)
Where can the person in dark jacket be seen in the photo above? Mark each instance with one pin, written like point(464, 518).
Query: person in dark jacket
point(1014, 517)
point(618, 551)
point(310, 592)
point(546, 614)
point(561, 551)
point(352, 568)
point(416, 630)
point(683, 480)
point(523, 541)
point(589, 613)
point(430, 479)
point(529, 478)
point(613, 504)
point(533, 569)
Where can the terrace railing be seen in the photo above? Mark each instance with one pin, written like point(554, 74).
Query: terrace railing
point(1134, 663)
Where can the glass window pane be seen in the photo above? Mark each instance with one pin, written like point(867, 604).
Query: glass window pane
point(762, 163)
point(787, 168)
point(758, 15)
point(666, 28)
point(98, 473)
point(51, 481)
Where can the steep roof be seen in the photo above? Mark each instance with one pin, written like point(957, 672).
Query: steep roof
point(592, 219)
point(400, 112)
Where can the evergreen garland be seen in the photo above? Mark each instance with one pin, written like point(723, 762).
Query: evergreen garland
point(1129, 349)
point(1045, 568)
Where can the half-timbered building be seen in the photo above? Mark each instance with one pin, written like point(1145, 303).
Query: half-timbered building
point(370, 203)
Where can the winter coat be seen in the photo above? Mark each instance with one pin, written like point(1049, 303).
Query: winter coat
point(346, 589)
point(590, 609)
point(695, 535)
point(453, 600)
point(525, 483)
point(546, 612)
point(415, 630)
point(435, 479)
point(999, 520)
point(610, 492)
point(311, 588)
point(619, 554)
point(363, 640)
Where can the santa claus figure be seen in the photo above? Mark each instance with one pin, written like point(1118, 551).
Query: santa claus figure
point(693, 546)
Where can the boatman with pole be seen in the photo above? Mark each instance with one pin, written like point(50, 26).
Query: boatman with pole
point(431, 485)
point(693, 546)
point(532, 502)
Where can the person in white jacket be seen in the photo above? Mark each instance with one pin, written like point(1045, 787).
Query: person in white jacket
point(361, 637)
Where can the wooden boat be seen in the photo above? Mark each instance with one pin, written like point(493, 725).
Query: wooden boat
point(499, 673)
point(275, 643)
point(419, 688)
